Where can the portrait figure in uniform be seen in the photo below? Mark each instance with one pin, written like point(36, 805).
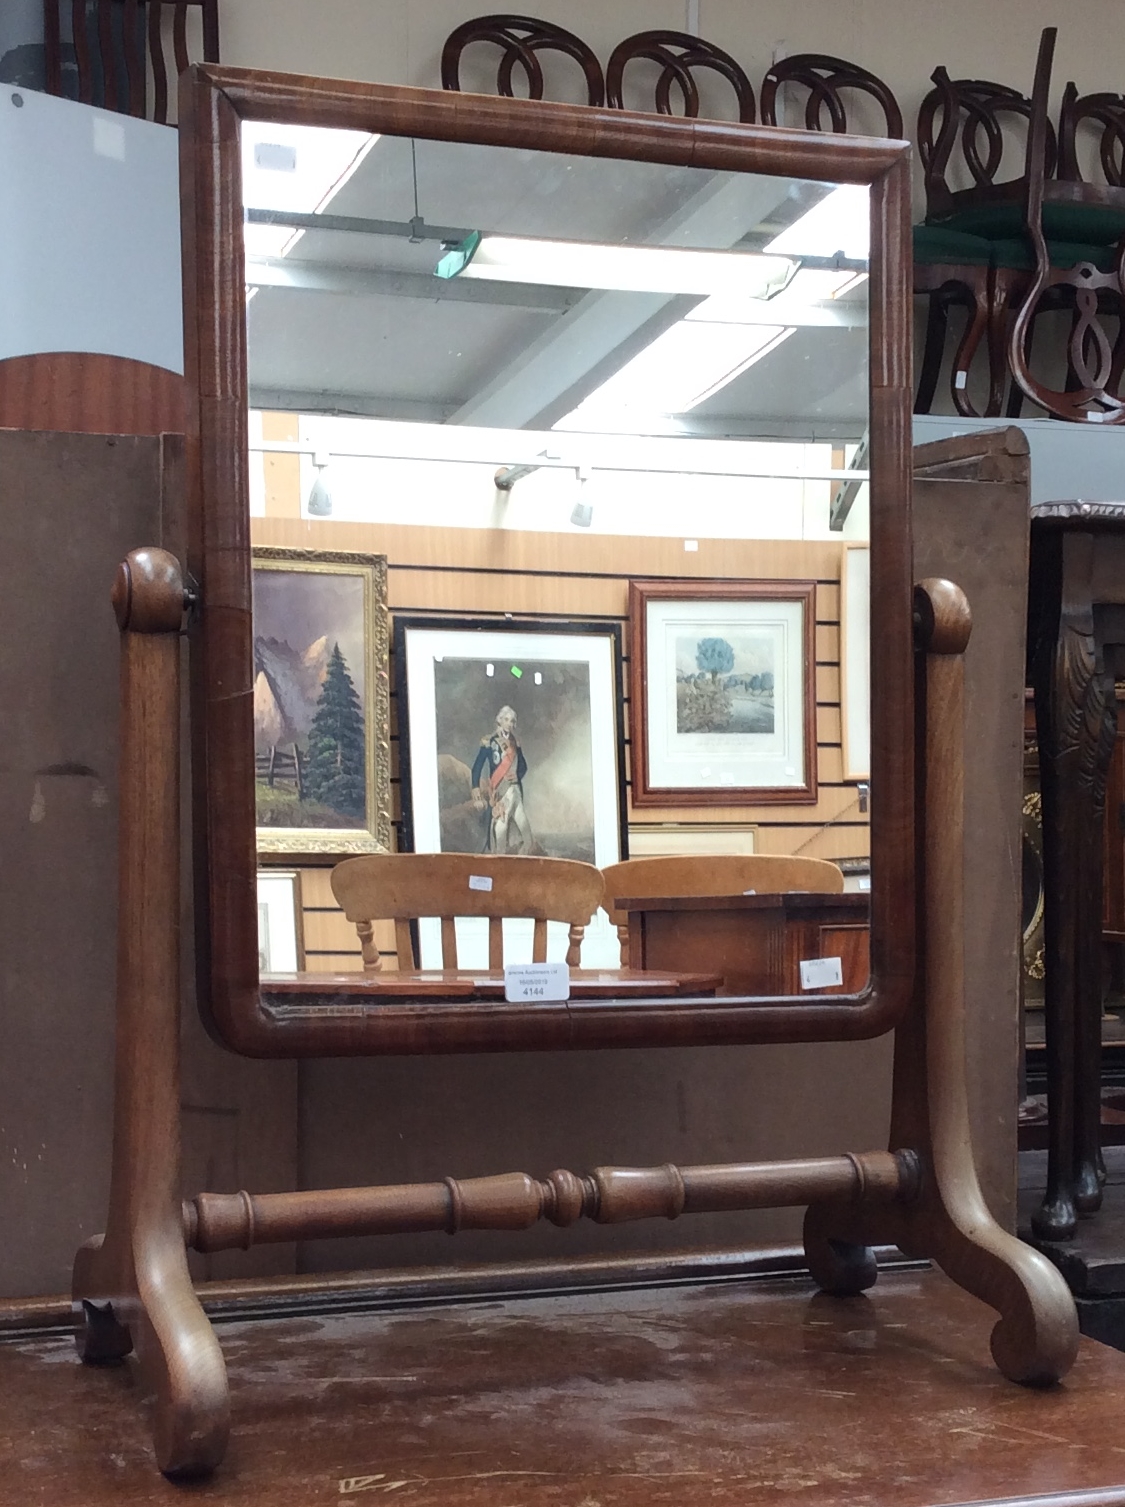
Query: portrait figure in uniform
point(515, 770)
point(497, 783)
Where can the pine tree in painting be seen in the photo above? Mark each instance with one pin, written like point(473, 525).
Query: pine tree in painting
point(335, 768)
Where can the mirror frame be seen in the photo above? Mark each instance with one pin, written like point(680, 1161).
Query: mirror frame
point(214, 100)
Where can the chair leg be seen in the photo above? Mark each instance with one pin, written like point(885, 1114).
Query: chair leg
point(937, 323)
point(975, 328)
point(1036, 1339)
point(133, 1284)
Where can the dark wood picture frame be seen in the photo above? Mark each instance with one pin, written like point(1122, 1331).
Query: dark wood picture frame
point(214, 101)
point(645, 791)
point(537, 626)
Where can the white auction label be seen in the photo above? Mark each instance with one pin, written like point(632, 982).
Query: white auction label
point(821, 973)
point(480, 881)
point(536, 982)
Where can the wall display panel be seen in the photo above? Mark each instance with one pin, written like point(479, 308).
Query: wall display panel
point(683, 331)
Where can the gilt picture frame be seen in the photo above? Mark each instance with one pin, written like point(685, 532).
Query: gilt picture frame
point(321, 636)
point(722, 707)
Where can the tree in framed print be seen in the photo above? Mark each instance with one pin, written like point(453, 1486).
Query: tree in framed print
point(321, 702)
point(722, 692)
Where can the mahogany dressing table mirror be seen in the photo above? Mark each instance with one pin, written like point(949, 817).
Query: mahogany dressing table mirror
point(508, 265)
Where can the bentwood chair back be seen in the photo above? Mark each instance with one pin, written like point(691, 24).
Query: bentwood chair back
point(711, 874)
point(406, 887)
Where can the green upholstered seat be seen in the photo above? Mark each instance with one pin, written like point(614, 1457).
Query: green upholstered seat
point(1018, 255)
point(938, 245)
point(1074, 224)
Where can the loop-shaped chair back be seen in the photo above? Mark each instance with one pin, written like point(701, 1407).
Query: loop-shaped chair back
point(405, 887)
point(1106, 113)
point(521, 39)
point(974, 114)
point(827, 80)
point(677, 53)
point(713, 874)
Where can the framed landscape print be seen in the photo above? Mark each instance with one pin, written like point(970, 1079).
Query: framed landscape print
point(510, 738)
point(722, 706)
point(321, 702)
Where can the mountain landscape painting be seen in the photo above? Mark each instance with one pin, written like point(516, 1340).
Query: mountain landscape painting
point(312, 674)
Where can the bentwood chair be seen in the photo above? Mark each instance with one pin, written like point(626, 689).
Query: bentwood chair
point(118, 44)
point(678, 54)
point(407, 887)
point(710, 874)
point(521, 40)
point(1074, 230)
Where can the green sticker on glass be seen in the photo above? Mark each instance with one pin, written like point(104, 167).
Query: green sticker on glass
point(517, 672)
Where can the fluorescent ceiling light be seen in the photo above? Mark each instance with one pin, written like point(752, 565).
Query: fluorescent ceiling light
point(675, 373)
point(628, 269)
point(808, 299)
point(839, 225)
point(299, 168)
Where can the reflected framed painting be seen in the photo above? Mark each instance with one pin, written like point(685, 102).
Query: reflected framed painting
point(510, 738)
point(321, 702)
point(722, 704)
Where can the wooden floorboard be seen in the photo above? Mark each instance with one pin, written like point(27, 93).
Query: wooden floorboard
point(749, 1393)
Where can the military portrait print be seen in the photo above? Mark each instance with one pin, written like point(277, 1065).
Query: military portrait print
point(513, 740)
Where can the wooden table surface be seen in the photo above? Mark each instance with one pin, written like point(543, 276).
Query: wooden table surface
point(738, 1394)
point(483, 983)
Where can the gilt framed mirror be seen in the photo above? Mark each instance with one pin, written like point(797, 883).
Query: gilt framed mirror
point(532, 353)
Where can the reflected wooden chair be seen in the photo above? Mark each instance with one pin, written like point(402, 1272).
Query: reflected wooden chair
point(407, 887)
point(117, 47)
point(711, 874)
point(521, 39)
point(678, 53)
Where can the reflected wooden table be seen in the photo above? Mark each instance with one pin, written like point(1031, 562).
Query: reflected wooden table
point(480, 983)
point(757, 941)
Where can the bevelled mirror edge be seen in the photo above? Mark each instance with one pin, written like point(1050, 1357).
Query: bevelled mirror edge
point(214, 100)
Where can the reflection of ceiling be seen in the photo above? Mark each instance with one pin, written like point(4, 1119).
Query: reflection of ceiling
point(356, 322)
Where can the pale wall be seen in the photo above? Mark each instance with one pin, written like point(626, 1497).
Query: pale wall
point(393, 41)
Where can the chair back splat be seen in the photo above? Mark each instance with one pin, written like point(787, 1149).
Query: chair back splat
point(708, 874)
point(405, 887)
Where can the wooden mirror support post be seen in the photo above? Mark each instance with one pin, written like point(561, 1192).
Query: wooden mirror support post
point(133, 1283)
point(949, 1222)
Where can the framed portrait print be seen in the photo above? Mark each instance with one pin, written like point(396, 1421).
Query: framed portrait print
point(321, 702)
point(722, 706)
point(510, 738)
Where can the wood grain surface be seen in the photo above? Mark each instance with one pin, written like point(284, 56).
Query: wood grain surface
point(736, 1392)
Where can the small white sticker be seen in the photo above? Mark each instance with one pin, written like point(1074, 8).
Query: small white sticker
point(109, 138)
point(749, 892)
point(480, 881)
point(961, 380)
point(536, 982)
point(691, 545)
point(865, 881)
point(821, 973)
point(273, 157)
